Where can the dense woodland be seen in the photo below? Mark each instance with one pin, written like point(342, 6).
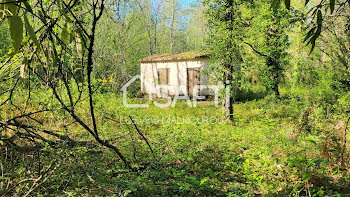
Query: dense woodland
point(65, 131)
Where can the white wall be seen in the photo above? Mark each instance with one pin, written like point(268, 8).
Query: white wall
point(177, 75)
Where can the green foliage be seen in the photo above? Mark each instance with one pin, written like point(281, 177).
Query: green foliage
point(316, 13)
point(31, 32)
point(225, 26)
point(268, 32)
point(142, 28)
point(5, 41)
point(16, 32)
point(224, 40)
point(259, 155)
point(296, 145)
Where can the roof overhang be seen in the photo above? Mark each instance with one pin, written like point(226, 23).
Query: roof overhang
point(176, 57)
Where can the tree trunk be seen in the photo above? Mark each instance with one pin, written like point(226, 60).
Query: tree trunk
point(149, 39)
point(155, 35)
point(172, 26)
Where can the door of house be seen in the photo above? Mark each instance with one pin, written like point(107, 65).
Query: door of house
point(163, 79)
point(193, 79)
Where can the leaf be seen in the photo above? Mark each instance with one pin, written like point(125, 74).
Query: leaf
point(127, 192)
point(319, 17)
point(82, 37)
point(314, 37)
point(12, 8)
point(190, 158)
point(62, 10)
point(306, 176)
point(334, 139)
point(297, 153)
point(326, 7)
point(59, 4)
point(16, 31)
point(332, 150)
point(313, 44)
point(332, 5)
point(46, 54)
point(318, 31)
point(28, 7)
point(287, 3)
point(325, 162)
point(309, 34)
point(203, 181)
point(31, 31)
point(71, 36)
point(317, 161)
point(64, 34)
point(2, 10)
point(312, 141)
point(275, 3)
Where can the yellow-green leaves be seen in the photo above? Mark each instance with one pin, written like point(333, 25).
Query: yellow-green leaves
point(15, 24)
point(31, 32)
point(62, 10)
point(16, 31)
point(2, 11)
point(64, 34)
point(8, 9)
point(12, 9)
point(276, 3)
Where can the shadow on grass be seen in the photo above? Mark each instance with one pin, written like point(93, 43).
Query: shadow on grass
point(248, 94)
point(201, 173)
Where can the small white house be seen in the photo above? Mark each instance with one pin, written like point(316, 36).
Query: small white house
point(175, 73)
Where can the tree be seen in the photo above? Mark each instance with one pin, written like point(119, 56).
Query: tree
point(197, 30)
point(132, 30)
point(123, 38)
point(267, 31)
point(58, 50)
point(334, 43)
point(171, 14)
point(225, 29)
point(276, 43)
point(316, 13)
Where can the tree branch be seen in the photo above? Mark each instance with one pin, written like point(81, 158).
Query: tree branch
point(256, 51)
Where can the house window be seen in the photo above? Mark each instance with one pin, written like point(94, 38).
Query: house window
point(163, 76)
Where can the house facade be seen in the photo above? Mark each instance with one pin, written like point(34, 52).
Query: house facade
point(175, 73)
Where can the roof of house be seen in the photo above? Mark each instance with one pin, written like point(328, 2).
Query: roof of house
point(169, 57)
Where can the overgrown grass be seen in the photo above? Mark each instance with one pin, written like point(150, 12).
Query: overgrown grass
point(272, 148)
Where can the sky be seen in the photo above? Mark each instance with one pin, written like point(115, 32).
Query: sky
point(186, 3)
